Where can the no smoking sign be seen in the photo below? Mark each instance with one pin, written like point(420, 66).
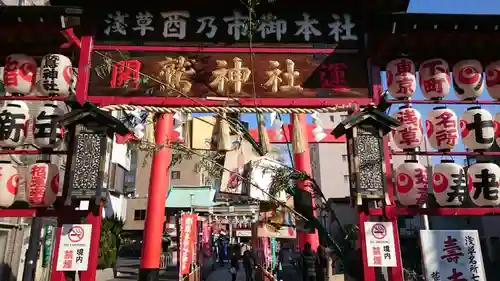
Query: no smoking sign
point(76, 234)
point(379, 231)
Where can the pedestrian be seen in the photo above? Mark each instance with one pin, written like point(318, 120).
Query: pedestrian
point(235, 263)
point(249, 264)
point(322, 265)
point(309, 261)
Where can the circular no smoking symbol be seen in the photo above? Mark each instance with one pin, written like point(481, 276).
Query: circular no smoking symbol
point(379, 231)
point(76, 234)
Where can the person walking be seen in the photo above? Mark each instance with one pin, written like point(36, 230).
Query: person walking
point(249, 264)
point(322, 265)
point(235, 262)
point(309, 261)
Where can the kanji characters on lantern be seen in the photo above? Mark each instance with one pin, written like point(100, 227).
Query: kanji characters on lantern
point(56, 73)
point(493, 79)
point(19, 75)
point(449, 183)
point(477, 128)
point(42, 183)
point(442, 128)
point(14, 117)
point(468, 79)
point(483, 184)
point(408, 135)
point(9, 183)
point(401, 80)
point(411, 183)
point(46, 131)
point(434, 78)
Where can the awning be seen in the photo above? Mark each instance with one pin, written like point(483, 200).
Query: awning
point(187, 196)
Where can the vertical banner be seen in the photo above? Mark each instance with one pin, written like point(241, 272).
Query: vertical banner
point(205, 238)
point(267, 251)
point(274, 250)
point(188, 240)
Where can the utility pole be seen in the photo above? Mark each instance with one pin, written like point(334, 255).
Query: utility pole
point(33, 249)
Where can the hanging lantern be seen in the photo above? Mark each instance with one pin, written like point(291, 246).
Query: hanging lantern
point(449, 183)
point(496, 122)
point(9, 183)
point(19, 75)
point(483, 184)
point(476, 125)
point(401, 80)
point(14, 119)
point(493, 79)
point(434, 78)
point(468, 79)
point(56, 73)
point(409, 134)
point(42, 184)
point(46, 131)
point(442, 128)
point(411, 183)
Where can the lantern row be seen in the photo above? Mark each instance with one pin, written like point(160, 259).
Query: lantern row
point(451, 185)
point(478, 129)
point(55, 74)
point(41, 185)
point(15, 119)
point(435, 81)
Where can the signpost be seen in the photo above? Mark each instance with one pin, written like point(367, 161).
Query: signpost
point(74, 247)
point(380, 246)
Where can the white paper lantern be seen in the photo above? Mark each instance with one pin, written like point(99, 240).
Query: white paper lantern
point(9, 183)
point(45, 122)
point(56, 73)
point(468, 79)
point(19, 75)
point(483, 184)
point(14, 119)
point(493, 79)
point(411, 183)
point(434, 78)
point(409, 134)
point(449, 183)
point(496, 122)
point(401, 79)
point(477, 128)
point(442, 128)
point(42, 184)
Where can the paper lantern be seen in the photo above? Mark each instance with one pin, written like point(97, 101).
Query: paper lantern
point(468, 79)
point(56, 73)
point(19, 75)
point(493, 79)
point(411, 183)
point(42, 184)
point(47, 133)
point(434, 78)
point(483, 184)
point(496, 122)
point(477, 128)
point(9, 183)
point(409, 134)
point(14, 119)
point(449, 183)
point(442, 128)
point(401, 79)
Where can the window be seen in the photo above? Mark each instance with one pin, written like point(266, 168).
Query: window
point(346, 178)
point(139, 215)
point(175, 175)
point(344, 157)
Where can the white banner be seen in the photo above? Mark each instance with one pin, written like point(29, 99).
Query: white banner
point(452, 255)
point(380, 246)
point(73, 254)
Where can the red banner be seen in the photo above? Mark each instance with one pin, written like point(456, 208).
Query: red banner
point(188, 241)
point(205, 238)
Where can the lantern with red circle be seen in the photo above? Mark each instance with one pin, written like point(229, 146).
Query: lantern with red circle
point(409, 134)
point(493, 79)
point(468, 79)
point(401, 80)
point(9, 183)
point(14, 119)
point(496, 122)
point(411, 183)
point(477, 129)
point(47, 133)
point(56, 75)
point(434, 78)
point(449, 183)
point(42, 184)
point(483, 184)
point(442, 128)
point(19, 76)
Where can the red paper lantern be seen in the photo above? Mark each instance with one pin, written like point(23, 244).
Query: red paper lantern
point(477, 128)
point(493, 79)
point(409, 134)
point(401, 80)
point(434, 78)
point(42, 184)
point(468, 79)
point(411, 183)
point(449, 183)
point(442, 128)
point(9, 183)
point(483, 184)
